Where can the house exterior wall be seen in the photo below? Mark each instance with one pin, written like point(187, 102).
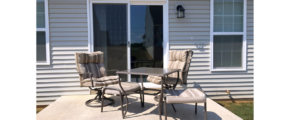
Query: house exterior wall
point(193, 32)
point(69, 34)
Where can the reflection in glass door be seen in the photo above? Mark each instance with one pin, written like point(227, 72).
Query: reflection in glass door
point(146, 37)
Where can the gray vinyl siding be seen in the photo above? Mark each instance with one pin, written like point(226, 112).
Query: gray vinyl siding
point(68, 34)
point(193, 32)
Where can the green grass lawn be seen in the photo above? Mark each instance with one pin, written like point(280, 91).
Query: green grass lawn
point(243, 109)
point(39, 108)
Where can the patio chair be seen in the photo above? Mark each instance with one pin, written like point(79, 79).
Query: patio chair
point(92, 74)
point(177, 60)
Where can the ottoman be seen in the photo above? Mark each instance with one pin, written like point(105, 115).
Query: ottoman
point(192, 95)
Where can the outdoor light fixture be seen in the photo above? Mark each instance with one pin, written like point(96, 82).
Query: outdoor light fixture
point(180, 11)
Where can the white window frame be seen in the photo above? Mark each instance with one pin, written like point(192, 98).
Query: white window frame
point(46, 30)
point(244, 33)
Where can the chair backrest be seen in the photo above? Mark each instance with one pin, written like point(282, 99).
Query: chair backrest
point(180, 60)
point(90, 63)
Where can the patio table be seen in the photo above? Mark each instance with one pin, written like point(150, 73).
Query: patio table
point(161, 72)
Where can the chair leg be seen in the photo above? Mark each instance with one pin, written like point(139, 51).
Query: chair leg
point(141, 99)
point(127, 104)
point(195, 108)
point(124, 112)
point(165, 110)
point(121, 97)
point(173, 107)
point(102, 105)
point(205, 115)
point(161, 108)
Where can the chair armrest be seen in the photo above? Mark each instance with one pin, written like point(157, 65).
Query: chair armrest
point(113, 70)
point(185, 71)
point(91, 76)
point(85, 73)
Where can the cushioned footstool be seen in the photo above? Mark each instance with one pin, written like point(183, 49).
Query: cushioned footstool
point(127, 88)
point(192, 95)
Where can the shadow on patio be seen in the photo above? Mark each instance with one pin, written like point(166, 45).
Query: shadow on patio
point(74, 108)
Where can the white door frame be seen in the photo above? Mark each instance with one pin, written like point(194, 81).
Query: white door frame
point(164, 3)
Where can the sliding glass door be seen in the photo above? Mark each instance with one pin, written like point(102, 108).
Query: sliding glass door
point(146, 37)
point(110, 35)
point(128, 41)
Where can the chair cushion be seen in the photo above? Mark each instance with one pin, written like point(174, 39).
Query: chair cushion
point(94, 57)
point(98, 70)
point(176, 55)
point(177, 60)
point(106, 83)
point(176, 65)
point(191, 95)
point(102, 81)
point(157, 79)
point(91, 63)
point(129, 88)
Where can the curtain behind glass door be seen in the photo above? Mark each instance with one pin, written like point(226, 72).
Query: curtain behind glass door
point(110, 35)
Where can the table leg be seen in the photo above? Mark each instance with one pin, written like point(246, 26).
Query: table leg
point(142, 91)
point(160, 106)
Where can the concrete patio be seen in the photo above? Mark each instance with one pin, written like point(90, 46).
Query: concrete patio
point(74, 108)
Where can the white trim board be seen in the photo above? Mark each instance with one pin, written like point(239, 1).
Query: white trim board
point(244, 33)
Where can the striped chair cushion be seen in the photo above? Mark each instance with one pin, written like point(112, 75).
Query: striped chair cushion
point(175, 55)
point(192, 95)
point(103, 81)
point(177, 60)
point(176, 65)
point(129, 88)
point(98, 70)
point(94, 57)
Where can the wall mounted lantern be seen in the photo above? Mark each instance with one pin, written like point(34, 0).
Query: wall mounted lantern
point(180, 11)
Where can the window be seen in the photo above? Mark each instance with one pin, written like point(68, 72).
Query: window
point(228, 35)
point(42, 33)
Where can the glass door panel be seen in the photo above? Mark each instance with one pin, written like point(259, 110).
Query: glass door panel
point(110, 35)
point(146, 37)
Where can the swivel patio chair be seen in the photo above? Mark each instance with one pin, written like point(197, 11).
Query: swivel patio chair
point(92, 74)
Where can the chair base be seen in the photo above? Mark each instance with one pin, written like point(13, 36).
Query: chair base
point(98, 98)
point(157, 97)
point(158, 91)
